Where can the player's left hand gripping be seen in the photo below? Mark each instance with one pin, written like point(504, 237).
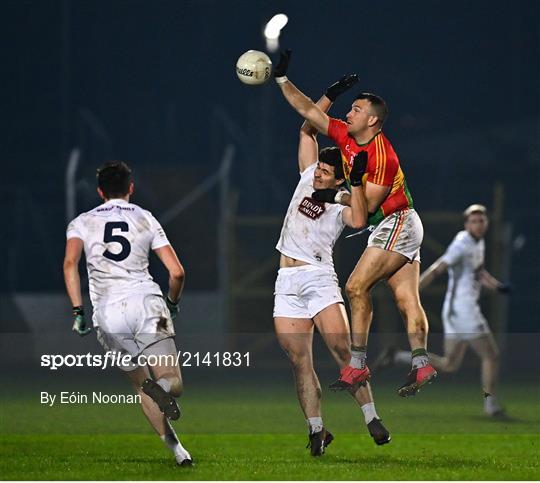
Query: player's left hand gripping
point(280, 71)
point(173, 307)
point(79, 324)
point(358, 169)
point(341, 86)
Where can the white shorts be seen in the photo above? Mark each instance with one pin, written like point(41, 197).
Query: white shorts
point(302, 292)
point(131, 325)
point(400, 232)
point(464, 321)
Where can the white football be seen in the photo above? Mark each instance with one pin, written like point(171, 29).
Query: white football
point(254, 68)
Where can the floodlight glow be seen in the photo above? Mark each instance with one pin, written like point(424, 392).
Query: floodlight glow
point(274, 26)
point(272, 31)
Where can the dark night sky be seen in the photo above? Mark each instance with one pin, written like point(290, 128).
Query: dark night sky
point(138, 65)
point(142, 81)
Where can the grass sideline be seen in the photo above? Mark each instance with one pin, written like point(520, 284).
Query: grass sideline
point(274, 457)
point(234, 433)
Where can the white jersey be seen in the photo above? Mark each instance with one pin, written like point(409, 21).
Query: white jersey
point(117, 238)
point(465, 258)
point(311, 227)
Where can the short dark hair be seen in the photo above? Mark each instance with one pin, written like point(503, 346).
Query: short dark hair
point(114, 179)
point(378, 104)
point(332, 157)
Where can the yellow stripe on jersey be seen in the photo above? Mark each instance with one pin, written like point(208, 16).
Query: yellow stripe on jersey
point(378, 157)
point(381, 160)
point(398, 180)
point(383, 171)
point(346, 167)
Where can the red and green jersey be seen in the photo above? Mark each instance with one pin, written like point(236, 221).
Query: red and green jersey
point(382, 167)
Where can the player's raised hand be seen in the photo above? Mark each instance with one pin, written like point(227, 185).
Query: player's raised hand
point(280, 70)
point(173, 307)
point(79, 323)
point(358, 169)
point(342, 85)
point(327, 195)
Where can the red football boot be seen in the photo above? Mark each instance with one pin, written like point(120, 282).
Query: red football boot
point(416, 379)
point(349, 376)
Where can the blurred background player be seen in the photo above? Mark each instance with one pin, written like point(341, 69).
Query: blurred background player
point(463, 322)
point(307, 293)
point(393, 251)
point(130, 315)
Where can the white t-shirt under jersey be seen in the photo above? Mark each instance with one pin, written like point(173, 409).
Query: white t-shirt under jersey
point(465, 258)
point(117, 238)
point(310, 228)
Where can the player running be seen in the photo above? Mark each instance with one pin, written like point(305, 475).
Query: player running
point(307, 292)
point(393, 253)
point(130, 315)
point(463, 322)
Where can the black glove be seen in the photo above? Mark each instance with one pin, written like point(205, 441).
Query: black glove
point(342, 85)
point(358, 169)
point(283, 64)
point(173, 307)
point(505, 288)
point(79, 322)
point(327, 195)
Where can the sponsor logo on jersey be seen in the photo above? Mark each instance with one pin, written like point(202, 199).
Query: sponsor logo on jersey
point(109, 208)
point(311, 208)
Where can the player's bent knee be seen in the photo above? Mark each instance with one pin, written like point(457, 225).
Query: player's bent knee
point(494, 357)
point(356, 289)
point(299, 360)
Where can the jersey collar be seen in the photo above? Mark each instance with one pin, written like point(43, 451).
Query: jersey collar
point(365, 144)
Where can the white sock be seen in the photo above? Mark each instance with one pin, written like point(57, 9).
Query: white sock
point(173, 443)
point(491, 404)
point(420, 361)
point(369, 412)
point(402, 357)
point(358, 357)
point(164, 383)
point(315, 424)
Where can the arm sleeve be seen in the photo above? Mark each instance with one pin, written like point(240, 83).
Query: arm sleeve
point(382, 166)
point(337, 131)
point(74, 230)
point(160, 239)
point(453, 253)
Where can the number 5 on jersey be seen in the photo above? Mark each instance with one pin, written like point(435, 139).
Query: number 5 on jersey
point(108, 237)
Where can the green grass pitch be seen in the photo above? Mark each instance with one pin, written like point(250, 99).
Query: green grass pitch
point(234, 433)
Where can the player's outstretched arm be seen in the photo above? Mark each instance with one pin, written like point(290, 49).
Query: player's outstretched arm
point(177, 276)
point(437, 268)
point(308, 148)
point(301, 103)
